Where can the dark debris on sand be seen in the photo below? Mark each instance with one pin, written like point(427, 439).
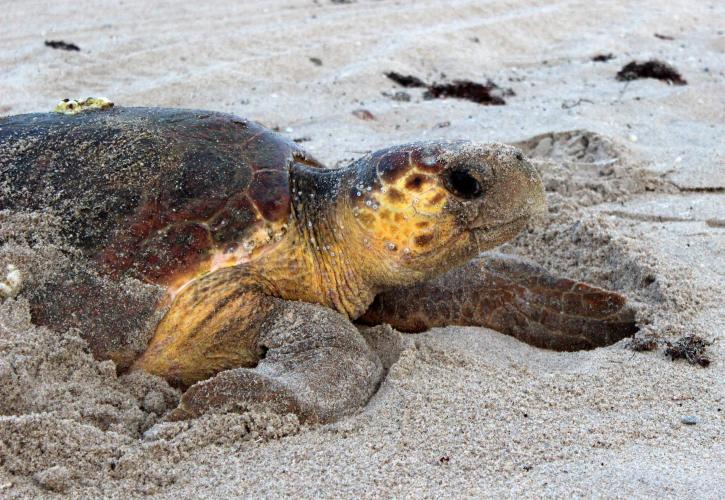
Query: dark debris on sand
point(400, 95)
point(642, 344)
point(481, 93)
point(363, 114)
point(651, 69)
point(690, 347)
point(61, 45)
point(408, 81)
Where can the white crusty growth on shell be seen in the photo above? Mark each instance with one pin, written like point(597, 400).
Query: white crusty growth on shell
point(11, 284)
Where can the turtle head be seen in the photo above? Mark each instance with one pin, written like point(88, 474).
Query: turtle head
point(402, 215)
point(420, 209)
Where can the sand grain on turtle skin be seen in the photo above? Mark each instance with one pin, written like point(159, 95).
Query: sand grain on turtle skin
point(257, 258)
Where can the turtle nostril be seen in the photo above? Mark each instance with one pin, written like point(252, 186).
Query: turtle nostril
point(464, 185)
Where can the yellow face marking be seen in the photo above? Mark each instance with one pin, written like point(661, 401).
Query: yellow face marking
point(406, 216)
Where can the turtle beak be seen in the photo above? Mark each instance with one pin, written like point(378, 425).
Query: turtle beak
point(515, 195)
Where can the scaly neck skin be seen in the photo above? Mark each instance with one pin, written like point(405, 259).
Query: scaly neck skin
point(319, 260)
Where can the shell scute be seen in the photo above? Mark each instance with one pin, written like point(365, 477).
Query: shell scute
point(269, 191)
point(150, 192)
point(237, 215)
point(266, 151)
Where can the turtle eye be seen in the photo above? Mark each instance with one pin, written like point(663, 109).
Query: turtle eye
point(463, 184)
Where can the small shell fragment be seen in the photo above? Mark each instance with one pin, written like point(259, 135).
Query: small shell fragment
point(11, 284)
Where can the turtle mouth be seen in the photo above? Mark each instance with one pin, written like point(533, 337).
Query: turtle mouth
point(517, 222)
point(495, 234)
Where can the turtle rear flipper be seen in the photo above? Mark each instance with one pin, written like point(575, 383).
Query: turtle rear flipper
point(316, 364)
point(515, 297)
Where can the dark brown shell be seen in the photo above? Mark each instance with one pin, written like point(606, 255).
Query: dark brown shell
point(148, 192)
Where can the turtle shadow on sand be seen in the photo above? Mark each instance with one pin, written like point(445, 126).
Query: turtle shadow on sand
point(212, 252)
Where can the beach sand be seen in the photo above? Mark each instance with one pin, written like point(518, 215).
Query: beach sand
point(635, 180)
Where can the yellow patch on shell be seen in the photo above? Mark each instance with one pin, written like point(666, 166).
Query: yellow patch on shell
point(256, 241)
point(75, 106)
point(406, 215)
point(249, 247)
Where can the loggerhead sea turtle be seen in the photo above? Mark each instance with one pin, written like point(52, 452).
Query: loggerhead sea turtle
point(236, 224)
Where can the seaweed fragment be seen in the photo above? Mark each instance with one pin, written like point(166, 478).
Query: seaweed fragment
point(61, 45)
point(651, 69)
point(481, 93)
point(408, 81)
point(642, 344)
point(690, 347)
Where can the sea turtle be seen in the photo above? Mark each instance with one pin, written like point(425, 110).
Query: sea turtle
point(263, 256)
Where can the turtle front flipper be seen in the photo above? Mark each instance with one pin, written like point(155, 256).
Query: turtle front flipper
point(315, 364)
point(233, 344)
point(513, 296)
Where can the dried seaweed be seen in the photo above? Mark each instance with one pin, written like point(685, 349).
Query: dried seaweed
point(61, 45)
point(482, 93)
point(642, 344)
point(408, 81)
point(488, 93)
point(690, 347)
point(651, 69)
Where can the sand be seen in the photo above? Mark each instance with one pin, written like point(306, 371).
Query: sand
point(636, 197)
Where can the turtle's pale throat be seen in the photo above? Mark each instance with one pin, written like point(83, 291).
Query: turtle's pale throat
point(337, 267)
point(320, 244)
